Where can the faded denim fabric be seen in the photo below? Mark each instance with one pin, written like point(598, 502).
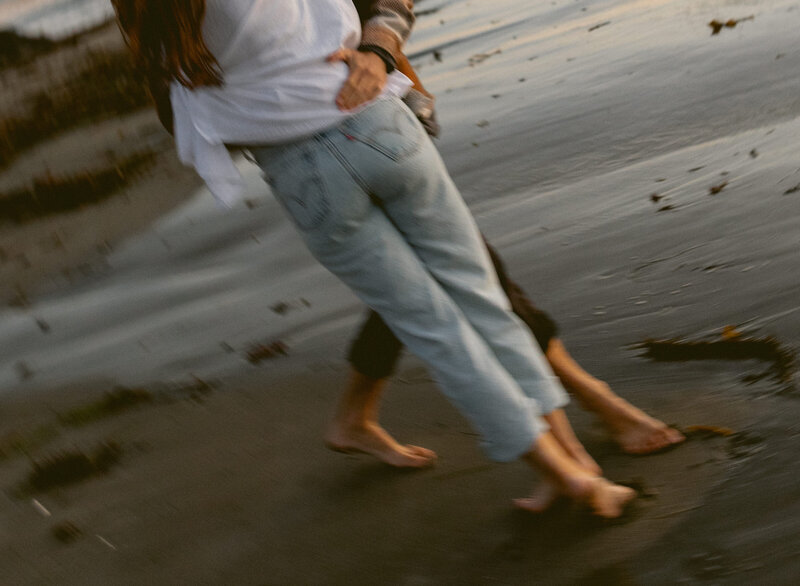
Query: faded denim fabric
point(375, 205)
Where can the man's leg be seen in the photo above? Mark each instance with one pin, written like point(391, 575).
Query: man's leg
point(375, 351)
point(632, 429)
point(355, 426)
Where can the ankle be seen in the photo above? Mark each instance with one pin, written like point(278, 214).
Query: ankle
point(580, 487)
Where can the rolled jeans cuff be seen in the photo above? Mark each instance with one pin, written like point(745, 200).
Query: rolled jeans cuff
point(513, 446)
point(555, 399)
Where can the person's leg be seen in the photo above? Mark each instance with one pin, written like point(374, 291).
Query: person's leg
point(354, 238)
point(427, 209)
point(355, 427)
point(373, 355)
point(375, 351)
point(350, 234)
point(564, 477)
point(632, 429)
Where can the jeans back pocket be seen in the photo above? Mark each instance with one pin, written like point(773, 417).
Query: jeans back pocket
point(298, 184)
point(388, 127)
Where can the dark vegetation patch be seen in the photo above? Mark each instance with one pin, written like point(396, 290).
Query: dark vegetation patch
point(107, 85)
point(112, 403)
point(733, 346)
point(66, 532)
point(53, 195)
point(16, 49)
point(17, 443)
point(70, 467)
point(259, 352)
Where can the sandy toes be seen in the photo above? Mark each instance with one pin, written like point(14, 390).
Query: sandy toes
point(375, 441)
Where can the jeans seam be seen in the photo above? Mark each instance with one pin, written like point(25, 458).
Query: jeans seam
point(339, 156)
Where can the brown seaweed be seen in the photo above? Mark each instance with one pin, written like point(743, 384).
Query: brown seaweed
point(260, 352)
point(738, 347)
point(718, 25)
point(51, 195)
point(112, 403)
point(70, 467)
point(106, 86)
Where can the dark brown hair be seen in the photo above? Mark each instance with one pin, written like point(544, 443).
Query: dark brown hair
point(166, 39)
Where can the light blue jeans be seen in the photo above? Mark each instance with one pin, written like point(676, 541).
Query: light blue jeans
point(375, 205)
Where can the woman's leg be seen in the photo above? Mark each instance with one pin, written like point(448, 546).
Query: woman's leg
point(410, 250)
point(425, 206)
point(352, 236)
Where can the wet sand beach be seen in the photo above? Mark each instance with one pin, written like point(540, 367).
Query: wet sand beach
point(167, 369)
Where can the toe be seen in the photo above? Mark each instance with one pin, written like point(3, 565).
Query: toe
point(416, 457)
point(422, 452)
point(675, 436)
point(528, 504)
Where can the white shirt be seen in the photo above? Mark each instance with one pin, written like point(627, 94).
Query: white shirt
point(277, 87)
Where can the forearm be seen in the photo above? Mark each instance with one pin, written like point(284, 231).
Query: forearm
point(386, 24)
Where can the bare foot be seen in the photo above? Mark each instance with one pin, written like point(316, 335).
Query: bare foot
point(543, 497)
point(372, 439)
point(640, 434)
point(606, 499)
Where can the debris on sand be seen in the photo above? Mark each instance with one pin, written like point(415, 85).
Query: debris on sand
point(708, 430)
point(715, 189)
point(112, 403)
point(70, 467)
point(66, 532)
point(738, 347)
point(284, 307)
point(481, 57)
point(792, 190)
point(717, 25)
point(260, 352)
point(597, 26)
point(106, 85)
point(17, 443)
point(16, 49)
point(51, 195)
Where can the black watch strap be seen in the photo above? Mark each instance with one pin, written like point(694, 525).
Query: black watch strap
point(385, 56)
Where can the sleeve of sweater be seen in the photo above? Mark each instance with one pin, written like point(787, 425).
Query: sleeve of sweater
point(386, 24)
